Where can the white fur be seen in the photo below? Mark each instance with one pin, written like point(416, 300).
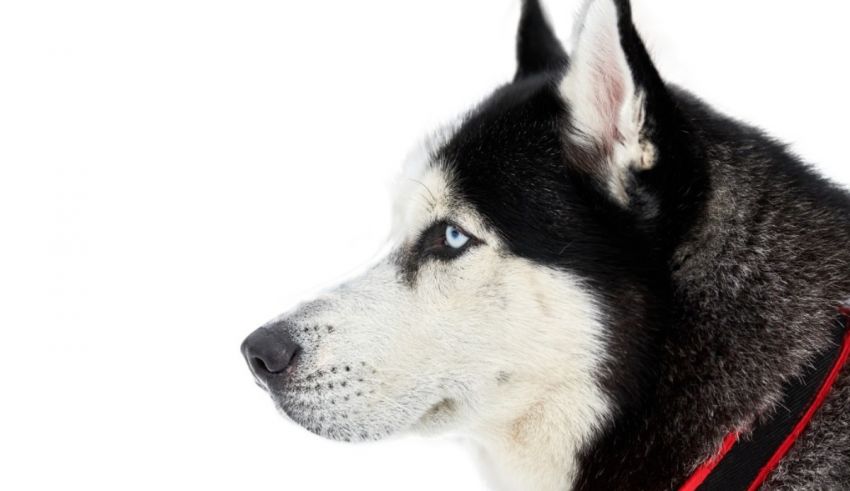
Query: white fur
point(607, 109)
point(490, 345)
point(531, 438)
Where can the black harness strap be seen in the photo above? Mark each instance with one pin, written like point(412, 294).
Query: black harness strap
point(749, 461)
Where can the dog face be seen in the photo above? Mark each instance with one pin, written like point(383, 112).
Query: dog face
point(514, 247)
point(437, 334)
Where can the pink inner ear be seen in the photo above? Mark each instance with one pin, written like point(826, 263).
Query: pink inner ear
point(610, 93)
point(598, 82)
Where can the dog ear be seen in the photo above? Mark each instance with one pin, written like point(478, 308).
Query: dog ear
point(613, 93)
point(538, 49)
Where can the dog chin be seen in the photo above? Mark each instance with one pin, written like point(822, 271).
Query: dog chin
point(341, 426)
point(439, 418)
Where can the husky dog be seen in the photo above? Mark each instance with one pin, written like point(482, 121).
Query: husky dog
point(594, 277)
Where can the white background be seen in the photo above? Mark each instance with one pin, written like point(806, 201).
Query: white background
point(173, 173)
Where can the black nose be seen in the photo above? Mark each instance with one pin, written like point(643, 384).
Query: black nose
point(269, 350)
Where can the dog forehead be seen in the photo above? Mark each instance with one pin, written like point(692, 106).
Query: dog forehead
point(498, 155)
point(511, 146)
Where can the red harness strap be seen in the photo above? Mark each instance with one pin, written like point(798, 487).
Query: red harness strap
point(706, 472)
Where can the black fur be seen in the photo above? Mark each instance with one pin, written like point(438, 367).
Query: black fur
point(538, 50)
point(720, 279)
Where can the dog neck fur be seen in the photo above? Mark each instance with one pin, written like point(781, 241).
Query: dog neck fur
point(531, 440)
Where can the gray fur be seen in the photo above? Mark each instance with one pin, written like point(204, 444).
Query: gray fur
point(762, 274)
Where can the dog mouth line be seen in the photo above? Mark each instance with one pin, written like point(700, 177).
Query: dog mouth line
point(446, 405)
point(444, 408)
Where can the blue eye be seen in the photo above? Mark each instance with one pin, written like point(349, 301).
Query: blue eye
point(455, 238)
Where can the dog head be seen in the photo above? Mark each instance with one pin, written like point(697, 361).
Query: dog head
point(524, 246)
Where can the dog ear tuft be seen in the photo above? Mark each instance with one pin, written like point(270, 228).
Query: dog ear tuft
point(538, 49)
point(608, 89)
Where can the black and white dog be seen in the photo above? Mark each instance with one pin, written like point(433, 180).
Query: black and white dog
point(597, 279)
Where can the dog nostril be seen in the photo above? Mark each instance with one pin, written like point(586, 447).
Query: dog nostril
point(270, 350)
point(259, 365)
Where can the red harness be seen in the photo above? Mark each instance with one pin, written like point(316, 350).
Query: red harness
point(746, 463)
